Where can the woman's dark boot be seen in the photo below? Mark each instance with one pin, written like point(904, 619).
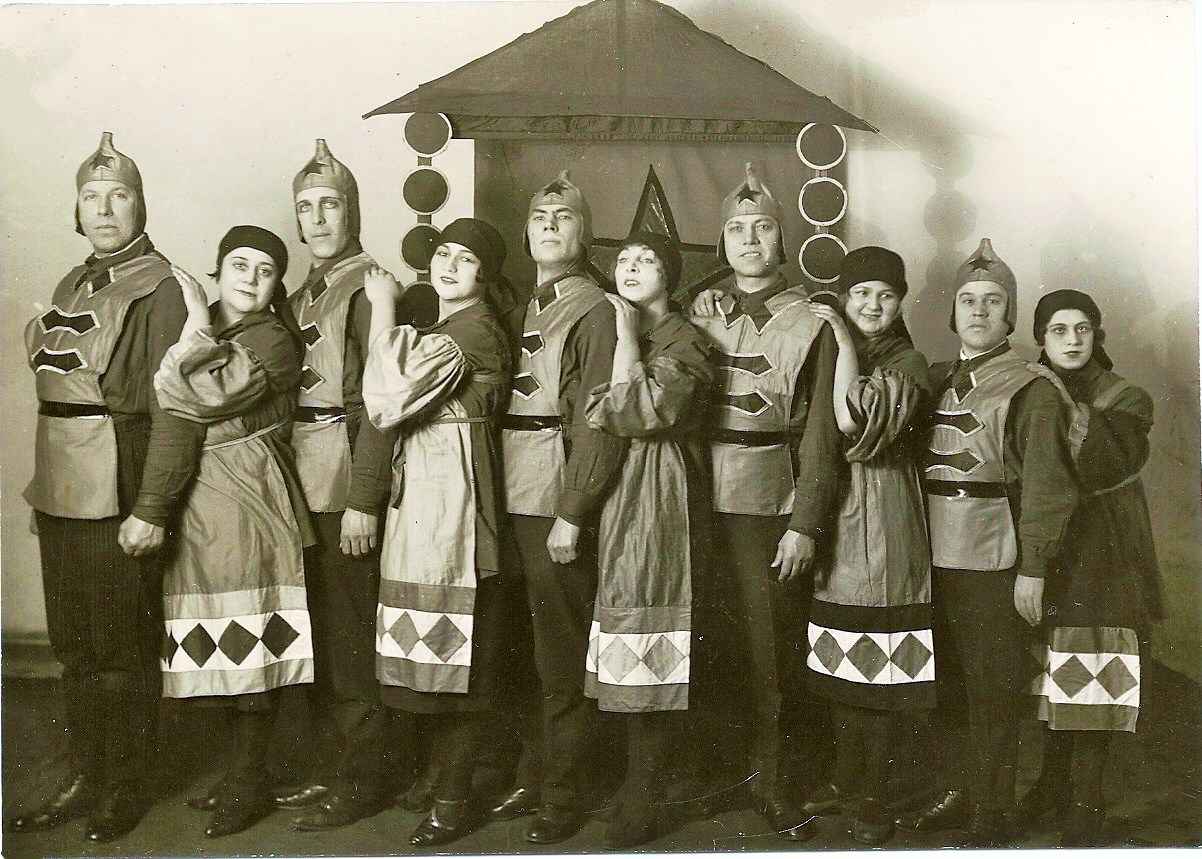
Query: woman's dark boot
point(449, 820)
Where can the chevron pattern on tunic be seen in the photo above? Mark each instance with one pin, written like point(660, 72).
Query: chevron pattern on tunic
point(78, 323)
point(872, 657)
point(61, 361)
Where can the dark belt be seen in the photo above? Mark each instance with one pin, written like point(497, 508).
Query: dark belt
point(72, 410)
point(530, 423)
point(750, 438)
point(967, 489)
point(319, 414)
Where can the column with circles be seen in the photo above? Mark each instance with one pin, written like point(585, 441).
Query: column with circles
point(425, 190)
point(822, 201)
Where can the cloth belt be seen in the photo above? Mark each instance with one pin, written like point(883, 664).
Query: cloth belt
point(72, 410)
point(321, 414)
point(968, 489)
point(1126, 482)
point(531, 423)
point(275, 426)
point(478, 419)
point(751, 438)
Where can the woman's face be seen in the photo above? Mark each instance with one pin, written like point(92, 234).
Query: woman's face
point(455, 272)
point(871, 306)
point(247, 279)
point(1068, 339)
point(639, 275)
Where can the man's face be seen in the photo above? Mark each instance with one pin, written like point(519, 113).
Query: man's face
point(981, 315)
point(324, 220)
point(752, 244)
point(108, 214)
point(554, 233)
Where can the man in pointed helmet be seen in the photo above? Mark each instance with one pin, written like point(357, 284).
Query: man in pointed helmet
point(104, 480)
point(776, 452)
point(345, 466)
point(558, 472)
point(1000, 492)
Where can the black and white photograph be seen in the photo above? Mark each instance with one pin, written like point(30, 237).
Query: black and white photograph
point(513, 427)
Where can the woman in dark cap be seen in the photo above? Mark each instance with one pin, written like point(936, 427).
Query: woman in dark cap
point(871, 651)
point(640, 648)
point(447, 590)
point(234, 588)
point(1103, 591)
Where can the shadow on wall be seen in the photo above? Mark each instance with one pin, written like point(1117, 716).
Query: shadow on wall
point(1153, 342)
point(908, 120)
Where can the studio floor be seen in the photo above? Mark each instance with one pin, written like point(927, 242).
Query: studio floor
point(1154, 783)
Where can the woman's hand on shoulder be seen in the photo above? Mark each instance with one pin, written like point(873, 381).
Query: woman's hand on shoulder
point(195, 298)
point(626, 318)
point(706, 302)
point(837, 322)
point(380, 286)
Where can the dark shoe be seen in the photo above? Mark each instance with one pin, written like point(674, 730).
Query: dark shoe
point(950, 811)
point(77, 797)
point(788, 820)
point(521, 802)
point(420, 797)
point(1083, 826)
point(299, 797)
point(448, 820)
point(238, 808)
point(871, 825)
point(554, 824)
point(206, 801)
point(119, 813)
point(334, 812)
point(987, 829)
point(1042, 799)
point(828, 799)
point(624, 831)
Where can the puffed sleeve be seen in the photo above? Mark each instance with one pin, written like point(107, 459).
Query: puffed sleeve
point(654, 398)
point(1116, 444)
point(408, 371)
point(884, 407)
point(206, 380)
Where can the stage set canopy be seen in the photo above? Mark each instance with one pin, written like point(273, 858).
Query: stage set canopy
point(654, 117)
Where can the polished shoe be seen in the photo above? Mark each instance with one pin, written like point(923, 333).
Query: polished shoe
point(206, 801)
point(238, 810)
point(299, 797)
point(1083, 826)
point(79, 796)
point(871, 825)
point(554, 824)
point(828, 799)
point(334, 812)
point(987, 830)
point(950, 811)
point(448, 820)
point(788, 820)
point(420, 796)
point(120, 812)
point(521, 802)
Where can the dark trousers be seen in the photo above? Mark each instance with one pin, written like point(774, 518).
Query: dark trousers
point(104, 614)
point(561, 599)
point(985, 638)
point(766, 646)
point(862, 747)
point(343, 593)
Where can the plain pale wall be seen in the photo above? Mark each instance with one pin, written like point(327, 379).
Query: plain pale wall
point(1065, 131)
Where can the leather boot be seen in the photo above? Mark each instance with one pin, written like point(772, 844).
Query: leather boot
point(240, 805)
point(120, 812)
point(449, 820)
point(78, 796)
point(950, 811)
point(421, 794)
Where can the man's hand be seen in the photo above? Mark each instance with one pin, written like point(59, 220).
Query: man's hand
point(1028, 598)
point(706, 302)
point(358, 535)
point(794, 554)
point(139, 538)
point(561, 542)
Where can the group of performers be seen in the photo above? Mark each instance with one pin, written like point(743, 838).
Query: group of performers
point(533, 514)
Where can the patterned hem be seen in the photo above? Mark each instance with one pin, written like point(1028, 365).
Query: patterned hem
point(637, 666)
point(201, 682)
point(1090, 679)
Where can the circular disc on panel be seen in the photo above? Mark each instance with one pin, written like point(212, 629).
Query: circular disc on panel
point(425, 190)
point(417, 247)
point(427, 133)
point(822, 201)
point(821, 147)
point(821, 256)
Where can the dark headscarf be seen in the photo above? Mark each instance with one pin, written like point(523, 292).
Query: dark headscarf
point(868, 264)
point(665, 251)
point(1071, 299)
point(249, 236)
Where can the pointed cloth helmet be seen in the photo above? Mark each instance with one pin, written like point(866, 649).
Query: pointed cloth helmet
point(985, 265)
point(562, 192)
point(751, 197)
point(326, 171)
point(106, 164)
